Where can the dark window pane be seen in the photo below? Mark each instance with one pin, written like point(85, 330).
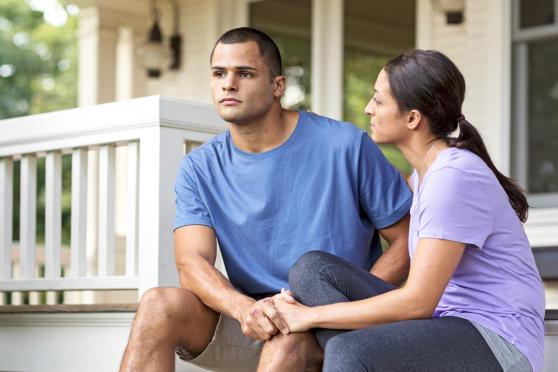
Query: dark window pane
point(288, 23)
point(543, 117)
point(375, 31)
point(536, 13)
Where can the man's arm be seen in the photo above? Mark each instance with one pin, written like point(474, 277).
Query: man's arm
point(195, 254)
point(393, 265)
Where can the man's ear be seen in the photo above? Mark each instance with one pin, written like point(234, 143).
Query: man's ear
point(414, 118)
point(279, 84)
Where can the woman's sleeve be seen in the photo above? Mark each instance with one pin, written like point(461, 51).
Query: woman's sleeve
point(453, 206)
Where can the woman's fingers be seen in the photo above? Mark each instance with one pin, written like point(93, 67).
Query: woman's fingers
point(287, 296)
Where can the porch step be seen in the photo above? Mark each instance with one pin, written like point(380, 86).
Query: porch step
point(108, 308)
point(67, 338)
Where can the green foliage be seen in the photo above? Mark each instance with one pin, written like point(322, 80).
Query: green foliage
point(360, 72)
point(38, 73)
point(42, 59)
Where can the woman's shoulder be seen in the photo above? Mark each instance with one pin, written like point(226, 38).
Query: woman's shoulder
point(459, 163)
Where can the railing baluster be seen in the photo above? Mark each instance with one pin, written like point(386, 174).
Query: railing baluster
point(132, 231)
point(28, 213)
point(6, 205)
point(106, 210)
point(79, 212)
point(53, 214)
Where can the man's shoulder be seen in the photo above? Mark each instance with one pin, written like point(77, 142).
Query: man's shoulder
point(335, 131)
point(213, 147)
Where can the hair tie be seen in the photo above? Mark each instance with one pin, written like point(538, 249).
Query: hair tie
point(460, 118)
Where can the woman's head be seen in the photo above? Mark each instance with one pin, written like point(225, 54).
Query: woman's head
point(428, 91)
point(427, 81)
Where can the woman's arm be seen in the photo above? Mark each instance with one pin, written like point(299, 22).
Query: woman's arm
point(433, 265)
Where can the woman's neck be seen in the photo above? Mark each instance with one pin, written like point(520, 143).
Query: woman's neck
point(421, 152)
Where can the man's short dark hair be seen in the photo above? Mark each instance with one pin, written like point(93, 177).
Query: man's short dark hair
point(268, 49)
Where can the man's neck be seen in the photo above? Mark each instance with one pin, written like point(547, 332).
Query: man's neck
point(264, 134)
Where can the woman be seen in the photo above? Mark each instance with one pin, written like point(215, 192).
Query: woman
point(473, 300)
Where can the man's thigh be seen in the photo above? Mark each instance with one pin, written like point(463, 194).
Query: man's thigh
point(229, 350)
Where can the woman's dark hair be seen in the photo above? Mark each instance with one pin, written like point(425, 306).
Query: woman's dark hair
point(428, 81)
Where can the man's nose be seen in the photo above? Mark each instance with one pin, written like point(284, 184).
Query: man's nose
point(230, 83)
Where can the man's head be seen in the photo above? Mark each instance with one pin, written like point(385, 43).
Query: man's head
point(267, 47)
point(246, 80)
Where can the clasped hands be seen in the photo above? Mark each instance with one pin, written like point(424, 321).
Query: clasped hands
point(265, 318)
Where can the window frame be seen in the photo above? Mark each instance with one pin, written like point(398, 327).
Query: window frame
point(521, 38)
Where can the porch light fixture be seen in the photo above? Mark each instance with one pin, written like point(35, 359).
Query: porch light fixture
point(156, 54)
point(454, 10)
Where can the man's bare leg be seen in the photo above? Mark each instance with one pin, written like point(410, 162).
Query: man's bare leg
point(292, 352)
point(167, 318)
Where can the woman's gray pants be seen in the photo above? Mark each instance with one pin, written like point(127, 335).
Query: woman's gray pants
point(438, 344)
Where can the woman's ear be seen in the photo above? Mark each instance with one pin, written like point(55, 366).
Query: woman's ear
point(414, 118)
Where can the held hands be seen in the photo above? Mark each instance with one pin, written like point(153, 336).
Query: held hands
point(296, 315)
point(261, 320)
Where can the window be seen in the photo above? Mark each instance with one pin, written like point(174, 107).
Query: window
point(535, 100)
point(375, 31)
point(288, 23)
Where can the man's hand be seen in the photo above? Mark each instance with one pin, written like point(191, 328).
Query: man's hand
point(261, 321)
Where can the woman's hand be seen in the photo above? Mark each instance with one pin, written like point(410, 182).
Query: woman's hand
point(297, 316)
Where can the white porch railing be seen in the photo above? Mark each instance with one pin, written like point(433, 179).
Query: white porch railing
point(155, 132)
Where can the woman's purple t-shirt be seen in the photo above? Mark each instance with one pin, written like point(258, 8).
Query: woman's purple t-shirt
point(496, 283)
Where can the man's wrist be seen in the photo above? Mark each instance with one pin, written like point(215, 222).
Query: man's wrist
point(238, 304)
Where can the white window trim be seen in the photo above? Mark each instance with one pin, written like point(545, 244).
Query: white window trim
point(520, 49)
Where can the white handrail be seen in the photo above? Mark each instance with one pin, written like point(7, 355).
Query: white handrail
point(156, 131)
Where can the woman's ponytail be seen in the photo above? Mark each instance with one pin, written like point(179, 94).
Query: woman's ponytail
point(470, 139)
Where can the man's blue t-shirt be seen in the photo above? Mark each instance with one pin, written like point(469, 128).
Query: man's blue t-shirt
point(328, 187)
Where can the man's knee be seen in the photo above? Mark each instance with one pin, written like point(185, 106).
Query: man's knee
point(299, 347)
point(162, 306)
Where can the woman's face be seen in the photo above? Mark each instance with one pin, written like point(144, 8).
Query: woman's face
point(387, 123)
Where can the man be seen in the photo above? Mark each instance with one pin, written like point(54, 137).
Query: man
point(277, 184)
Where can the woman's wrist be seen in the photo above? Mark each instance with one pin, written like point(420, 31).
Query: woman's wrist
point(313, 316)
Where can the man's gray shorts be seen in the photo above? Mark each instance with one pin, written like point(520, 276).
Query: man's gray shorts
point(229, 350)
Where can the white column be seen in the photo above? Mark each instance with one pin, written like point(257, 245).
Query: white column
point(130, 74)
point(97, 57)
point(6, 209)
point(423, 24)
point(106, 210)
point(132, 210)
point(156, 261)
point(79, 212)
point(53, 214)
point(28, 215)
point(327, 57)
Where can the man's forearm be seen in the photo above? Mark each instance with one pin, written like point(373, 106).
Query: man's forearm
point(212, 288)
point(393, 265)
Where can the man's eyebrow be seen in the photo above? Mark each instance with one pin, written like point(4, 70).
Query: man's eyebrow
point(236, 68)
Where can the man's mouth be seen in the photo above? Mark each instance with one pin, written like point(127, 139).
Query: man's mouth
point(229, 100)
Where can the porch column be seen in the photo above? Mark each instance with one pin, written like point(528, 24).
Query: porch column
point(97, 57)
point(327, 57)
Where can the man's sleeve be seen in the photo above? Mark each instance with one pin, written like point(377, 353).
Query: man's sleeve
point(190, 208)
point(384, 194)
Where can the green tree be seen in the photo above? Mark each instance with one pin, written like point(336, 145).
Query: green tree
point(38, 73)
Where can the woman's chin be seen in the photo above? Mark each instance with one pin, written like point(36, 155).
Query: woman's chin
point(377, 139)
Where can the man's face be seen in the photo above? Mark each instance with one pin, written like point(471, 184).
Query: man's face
point(241, 86)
